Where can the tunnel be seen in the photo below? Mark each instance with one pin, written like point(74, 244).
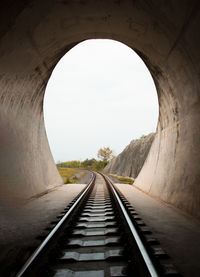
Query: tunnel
point(34, 37)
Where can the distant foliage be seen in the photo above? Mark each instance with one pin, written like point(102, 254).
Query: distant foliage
point(88, 163)
point(91, 164)
point(71, 164)
point(105, 153)
point(143, 136)
point(99, 165)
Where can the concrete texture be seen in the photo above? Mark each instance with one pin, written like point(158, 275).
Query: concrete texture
point(20, 228)
point(34, 35)
point(130, 161)
point(178, 234)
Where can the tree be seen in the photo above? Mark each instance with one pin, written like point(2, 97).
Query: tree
point(105, 153)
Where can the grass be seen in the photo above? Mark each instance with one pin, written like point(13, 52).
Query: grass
point(124, 180)
point(68, 174)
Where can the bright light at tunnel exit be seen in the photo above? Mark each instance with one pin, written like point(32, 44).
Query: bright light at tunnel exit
point(99, 94)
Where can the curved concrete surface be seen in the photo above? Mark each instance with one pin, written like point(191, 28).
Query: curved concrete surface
point(36, 34)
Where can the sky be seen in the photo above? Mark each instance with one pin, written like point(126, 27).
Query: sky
point(99, 94)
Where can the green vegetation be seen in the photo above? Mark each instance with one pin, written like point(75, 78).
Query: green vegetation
point(91, 164)
point(71, 169)
point(143, 136)
point(71, 164)
point(69, 175)
point(124, 180)
point(105, 154)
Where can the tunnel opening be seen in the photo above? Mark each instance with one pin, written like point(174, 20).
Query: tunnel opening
point(103, 86)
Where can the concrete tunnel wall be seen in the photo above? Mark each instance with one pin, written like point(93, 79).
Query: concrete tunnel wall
point(36, 34)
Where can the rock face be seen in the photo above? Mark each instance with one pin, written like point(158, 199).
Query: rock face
point(130, 161)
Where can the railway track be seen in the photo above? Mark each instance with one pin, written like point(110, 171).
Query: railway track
point(96, 237)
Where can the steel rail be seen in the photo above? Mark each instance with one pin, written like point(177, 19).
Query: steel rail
point(55, 229)
point(151, 268)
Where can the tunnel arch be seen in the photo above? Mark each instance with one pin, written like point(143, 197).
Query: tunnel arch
point(34, 36)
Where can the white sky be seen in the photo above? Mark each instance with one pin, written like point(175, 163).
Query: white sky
point(99, 94)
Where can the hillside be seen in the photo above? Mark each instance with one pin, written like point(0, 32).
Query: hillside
point(130, 161)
